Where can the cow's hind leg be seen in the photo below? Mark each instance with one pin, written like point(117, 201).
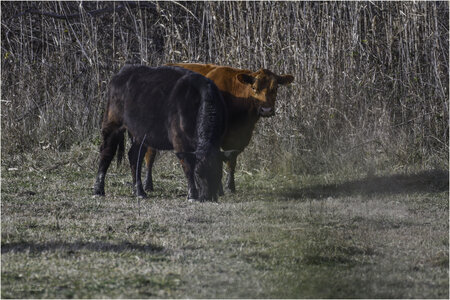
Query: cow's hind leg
point(149, 161)
point(187, 158)
point(188, 163)
point(231, 166)
point(135, 156)
point(112, 137)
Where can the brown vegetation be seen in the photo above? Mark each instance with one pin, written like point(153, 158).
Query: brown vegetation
point(371, 85)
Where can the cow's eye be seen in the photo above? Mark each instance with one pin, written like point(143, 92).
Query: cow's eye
point(254, 89)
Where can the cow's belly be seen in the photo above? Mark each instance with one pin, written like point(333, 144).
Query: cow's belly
point(153, 133)
point(158, 141)
point(236, 139)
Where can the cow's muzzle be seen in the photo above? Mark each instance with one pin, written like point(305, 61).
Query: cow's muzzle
point(266, 111)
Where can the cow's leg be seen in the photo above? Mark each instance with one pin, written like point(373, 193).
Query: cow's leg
point(149, 160)
point(135, 158)
point(188, 163)
point(220, 192)
point(184, 153)
point(231, 166)
point(112, 136)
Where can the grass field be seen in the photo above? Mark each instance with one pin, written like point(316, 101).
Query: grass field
point(281, 236)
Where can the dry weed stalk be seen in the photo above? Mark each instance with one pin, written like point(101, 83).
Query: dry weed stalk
point(371, 77)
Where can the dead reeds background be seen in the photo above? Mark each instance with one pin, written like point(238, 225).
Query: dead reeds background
point(371, 78)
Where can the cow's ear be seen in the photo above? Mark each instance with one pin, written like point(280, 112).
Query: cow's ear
point(246, 79)
point(185, 155)
point(227, 155)
point(285, 79)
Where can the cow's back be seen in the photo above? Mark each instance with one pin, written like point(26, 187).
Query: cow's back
point(157, 99)
point(224, 77)
point(149, 105)
point(203, 69)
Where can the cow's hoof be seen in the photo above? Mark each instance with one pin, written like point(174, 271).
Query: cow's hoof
point(138, 191)
point(194, 200)
point(148, 186)
point(142, 195)
point(192, 196)
point(99, 192)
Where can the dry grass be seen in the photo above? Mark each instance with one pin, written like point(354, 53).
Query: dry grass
point(279, 237)
point(370, 90)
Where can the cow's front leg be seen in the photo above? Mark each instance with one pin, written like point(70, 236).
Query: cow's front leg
point(220, 192)
point(149, 161)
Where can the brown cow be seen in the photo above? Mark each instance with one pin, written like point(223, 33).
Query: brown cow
point(248, 95)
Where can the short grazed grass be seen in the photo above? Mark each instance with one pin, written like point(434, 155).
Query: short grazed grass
point(280, 236)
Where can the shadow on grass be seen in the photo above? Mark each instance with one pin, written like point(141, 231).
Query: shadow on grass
point(77, 246)
point(427, 181)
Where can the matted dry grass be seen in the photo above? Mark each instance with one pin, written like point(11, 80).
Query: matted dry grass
point(280, 236)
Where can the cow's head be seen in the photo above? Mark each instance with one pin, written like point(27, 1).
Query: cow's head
point(208, 171)
point(208, 175)
point(262, 86)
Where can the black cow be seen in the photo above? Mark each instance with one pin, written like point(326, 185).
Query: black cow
point(165, 108)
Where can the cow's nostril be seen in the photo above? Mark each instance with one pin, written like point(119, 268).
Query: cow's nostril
point(265, 111)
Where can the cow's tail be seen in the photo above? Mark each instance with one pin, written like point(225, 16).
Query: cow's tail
point(212, 112)
point(112, 131)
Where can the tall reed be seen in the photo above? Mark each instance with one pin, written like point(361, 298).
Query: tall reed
point(371, 78)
